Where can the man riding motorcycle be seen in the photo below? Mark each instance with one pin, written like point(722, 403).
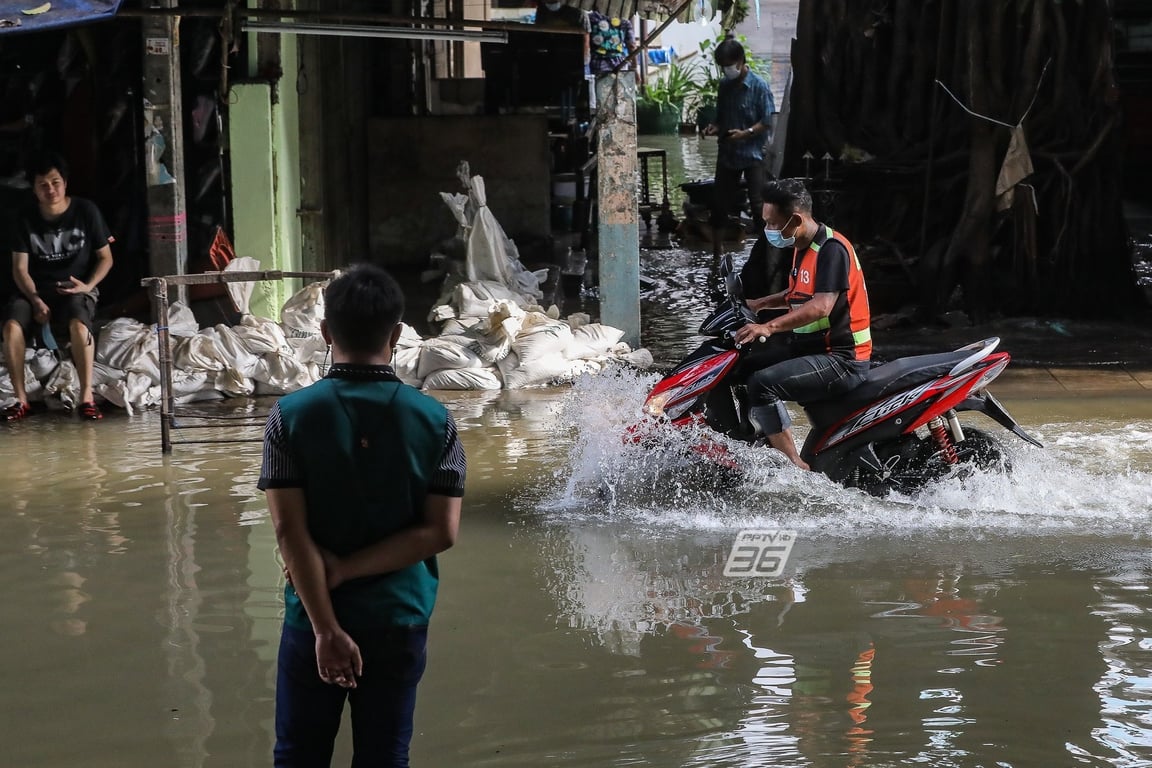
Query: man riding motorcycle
point(821, 345)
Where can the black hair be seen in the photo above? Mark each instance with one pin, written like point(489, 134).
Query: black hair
point(788, 195)
point(46, 161)
point(362, 307)
point(729, 52)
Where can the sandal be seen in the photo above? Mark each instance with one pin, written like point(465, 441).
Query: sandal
point(90, 411)
point(17, 411)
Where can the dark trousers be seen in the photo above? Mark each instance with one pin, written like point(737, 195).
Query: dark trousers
point(778, 375)
point(308, 710)
point(727, 196)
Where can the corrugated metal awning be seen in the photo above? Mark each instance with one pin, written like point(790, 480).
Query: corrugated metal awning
point(33, 16)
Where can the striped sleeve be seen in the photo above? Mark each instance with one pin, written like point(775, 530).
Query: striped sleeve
point(279, 469)
point(448, 479)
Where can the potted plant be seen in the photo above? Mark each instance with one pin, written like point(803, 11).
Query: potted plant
point(661, 101)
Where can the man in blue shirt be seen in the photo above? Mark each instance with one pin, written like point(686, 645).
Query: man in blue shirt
point(744, 108)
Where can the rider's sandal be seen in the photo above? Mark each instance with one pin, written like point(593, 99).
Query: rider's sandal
point(17, 411)
point(90, 411)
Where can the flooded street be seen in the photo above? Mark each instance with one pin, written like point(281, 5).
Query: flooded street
point(1001, 621)
point(584, 619)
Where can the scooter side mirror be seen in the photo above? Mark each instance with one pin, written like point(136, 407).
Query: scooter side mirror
point(734, 286)
point(726, 267)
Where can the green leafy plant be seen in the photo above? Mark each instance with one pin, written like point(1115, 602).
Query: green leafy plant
point(671, 89)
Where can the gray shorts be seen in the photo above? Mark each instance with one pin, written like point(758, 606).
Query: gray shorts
point(62, 308)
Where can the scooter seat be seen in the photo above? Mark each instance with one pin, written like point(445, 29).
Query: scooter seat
point(907, 372)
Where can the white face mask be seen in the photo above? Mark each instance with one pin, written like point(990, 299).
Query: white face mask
point(732, 72)
point(553, 6)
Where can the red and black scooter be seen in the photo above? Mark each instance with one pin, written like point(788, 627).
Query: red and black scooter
point(897, 431)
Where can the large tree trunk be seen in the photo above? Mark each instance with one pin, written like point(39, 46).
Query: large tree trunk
point(865, 76)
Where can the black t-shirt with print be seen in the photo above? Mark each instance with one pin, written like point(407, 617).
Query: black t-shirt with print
point(63, 247)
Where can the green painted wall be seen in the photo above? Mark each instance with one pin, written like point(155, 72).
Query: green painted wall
point(264, 138)
point(286, 165)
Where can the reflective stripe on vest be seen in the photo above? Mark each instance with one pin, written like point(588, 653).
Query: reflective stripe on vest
point(822, 324)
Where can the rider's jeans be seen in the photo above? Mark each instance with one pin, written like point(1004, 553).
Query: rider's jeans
point(803, 379)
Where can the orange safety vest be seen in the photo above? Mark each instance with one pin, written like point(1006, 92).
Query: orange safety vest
point(848, 326)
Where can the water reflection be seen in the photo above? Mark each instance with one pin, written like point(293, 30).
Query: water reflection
point(947, 660)
point(953, 629)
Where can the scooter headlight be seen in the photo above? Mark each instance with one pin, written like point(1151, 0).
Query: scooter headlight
point(654, 407)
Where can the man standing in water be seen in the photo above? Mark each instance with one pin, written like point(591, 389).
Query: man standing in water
point(364, 478)
point(744, 108)
point(821, 345)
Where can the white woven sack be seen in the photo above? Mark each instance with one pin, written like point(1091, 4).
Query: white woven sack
point(463, 379)
point(445, 352)
point(301, 314)
point(594, 340)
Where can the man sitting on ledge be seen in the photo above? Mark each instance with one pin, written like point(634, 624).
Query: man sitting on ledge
point(60, 254)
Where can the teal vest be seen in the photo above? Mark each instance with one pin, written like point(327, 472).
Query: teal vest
point(366, 451)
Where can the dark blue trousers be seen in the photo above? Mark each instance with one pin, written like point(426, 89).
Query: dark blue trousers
point(308, 710)
point(779, 376)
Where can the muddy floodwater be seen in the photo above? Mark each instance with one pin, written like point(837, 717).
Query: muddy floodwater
point(584, 617)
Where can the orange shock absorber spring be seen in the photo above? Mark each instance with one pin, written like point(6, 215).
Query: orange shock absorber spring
point(943, 441)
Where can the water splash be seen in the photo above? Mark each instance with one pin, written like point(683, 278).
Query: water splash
point(1092, 479)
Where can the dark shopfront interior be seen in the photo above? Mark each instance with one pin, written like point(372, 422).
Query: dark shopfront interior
point(77, 91)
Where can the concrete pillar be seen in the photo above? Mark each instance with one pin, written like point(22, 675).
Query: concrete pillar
point(618, 214)
point(164, 153)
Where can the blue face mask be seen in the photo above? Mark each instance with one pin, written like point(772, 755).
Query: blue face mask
point(776, 238)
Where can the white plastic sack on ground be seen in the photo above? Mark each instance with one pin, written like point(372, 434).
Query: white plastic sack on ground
point(491, 254)
point(480, 298)
point(504, 324)
point(235, 351)
point(594, 340)
point(262, 336)
point(278, 374)
point(310, 350)
point(241, 293)
point(467, 378)
point(406, 363)
point(231, 382)
point(194, 387)
point(640, 358)
point(453, 327)
point(102, 373)
point(185, 382)
point(145, 358)
point(119, 341)
point(199, 352)
point(543, 370)
point(181, 321)
point(541, 337)
point(441, 312)
point(578, 320)
point(133, 392)
point(487, 257)
point(408, 337)
point(41, 363)
point(445, 352)
point(301, 314)
point(64, 384)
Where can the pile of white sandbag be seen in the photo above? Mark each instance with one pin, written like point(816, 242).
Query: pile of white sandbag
point(510, 347)
point(488, 343)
